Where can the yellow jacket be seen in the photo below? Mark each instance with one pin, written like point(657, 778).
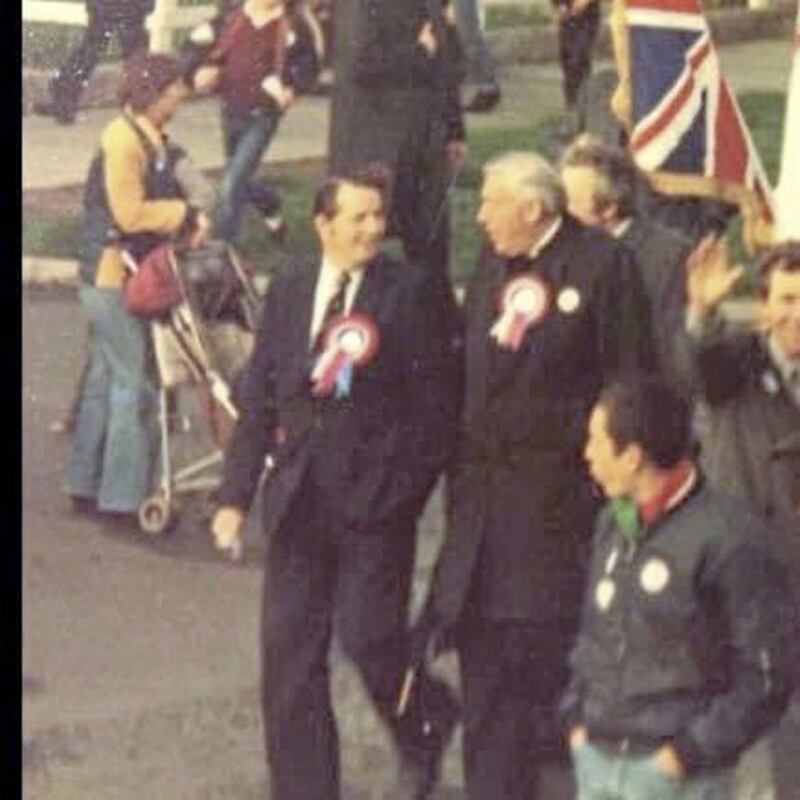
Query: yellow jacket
point(125, 170)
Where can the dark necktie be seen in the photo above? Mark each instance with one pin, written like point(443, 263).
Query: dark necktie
point(334, 308)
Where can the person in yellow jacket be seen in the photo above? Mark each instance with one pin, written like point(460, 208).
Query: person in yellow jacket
point(132, 202)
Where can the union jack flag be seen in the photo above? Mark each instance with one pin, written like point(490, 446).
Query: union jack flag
point(685, 126)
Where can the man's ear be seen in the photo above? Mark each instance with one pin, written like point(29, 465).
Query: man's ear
point(532, 211)
point(610, 215)
point(634, 456)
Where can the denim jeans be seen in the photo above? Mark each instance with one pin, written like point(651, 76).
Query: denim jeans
point(246, 138)
point(115, 442)
point(470, 30)
point(601, 775)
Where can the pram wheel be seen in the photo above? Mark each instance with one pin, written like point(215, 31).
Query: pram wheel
point(156, 515)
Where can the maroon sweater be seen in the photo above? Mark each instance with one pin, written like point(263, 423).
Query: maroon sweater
point(247, 55)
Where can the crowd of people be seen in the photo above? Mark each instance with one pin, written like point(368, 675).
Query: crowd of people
point(621, 570)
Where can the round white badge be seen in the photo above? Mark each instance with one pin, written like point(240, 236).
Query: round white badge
point(528, 300)
point(352, 341)
point(568, 300)
point(604, 593)
point(654, 576)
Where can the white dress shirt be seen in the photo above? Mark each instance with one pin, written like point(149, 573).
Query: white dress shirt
point(327, 285)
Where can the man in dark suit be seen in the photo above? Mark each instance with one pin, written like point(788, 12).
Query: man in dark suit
point(126, 19)
point(601, 182)
point(551, 314)
point(395, 100)
point(349, 391)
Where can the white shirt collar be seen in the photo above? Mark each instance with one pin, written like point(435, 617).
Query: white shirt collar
point(546, 238)
point(327, 284)
point(788, 367)
point(264, 19)
point(621, 228)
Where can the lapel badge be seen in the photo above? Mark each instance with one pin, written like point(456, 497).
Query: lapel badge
point(349, 342)
point(524, 303)
point(568, 300)
point(604, 593)
point(655, 576)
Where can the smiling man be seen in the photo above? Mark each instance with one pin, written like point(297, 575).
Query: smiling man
point(750, 381)
point(684, 653)
point(348, 391)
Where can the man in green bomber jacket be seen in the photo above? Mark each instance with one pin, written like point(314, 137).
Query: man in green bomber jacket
point(684, 653)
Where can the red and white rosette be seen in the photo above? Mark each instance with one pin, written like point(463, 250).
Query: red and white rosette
point(524, 302)
point(348, 342)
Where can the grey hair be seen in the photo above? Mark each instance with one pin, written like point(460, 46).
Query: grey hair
point(531, 176)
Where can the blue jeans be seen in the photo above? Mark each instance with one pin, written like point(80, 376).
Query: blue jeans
point(115, 443)
point(602, 775)
point(246, 138)
point(480, 64)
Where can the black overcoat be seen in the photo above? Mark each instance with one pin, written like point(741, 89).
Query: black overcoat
point(521, 502)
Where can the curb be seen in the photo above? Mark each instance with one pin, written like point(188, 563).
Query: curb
point(49, 271)
point(532, 44)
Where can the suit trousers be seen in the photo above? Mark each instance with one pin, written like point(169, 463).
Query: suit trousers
point(321, 576)
point(576, 37)
point(513, 672)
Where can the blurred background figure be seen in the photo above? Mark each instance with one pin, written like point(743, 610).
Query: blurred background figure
point(245, 56)
point(132, 204)
point(578, 23)
point(121, 18)
point(480, 64)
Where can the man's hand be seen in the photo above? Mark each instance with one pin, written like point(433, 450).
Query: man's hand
point(201, 231)
point(206, 78)
point(578, 737)
point(427, 38)
point(710, 276)
point(226, 527)
point(669, 762)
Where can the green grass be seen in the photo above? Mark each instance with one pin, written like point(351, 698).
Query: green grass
point(514, 15)
point(58, 235)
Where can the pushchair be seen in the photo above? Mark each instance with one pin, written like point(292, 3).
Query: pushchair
point(201, 341)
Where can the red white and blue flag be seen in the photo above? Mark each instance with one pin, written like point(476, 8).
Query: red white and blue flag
point(685, 127)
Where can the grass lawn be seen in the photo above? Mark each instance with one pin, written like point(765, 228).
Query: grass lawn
point(57, 234)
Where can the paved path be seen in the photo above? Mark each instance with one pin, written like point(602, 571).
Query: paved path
point(57, 156)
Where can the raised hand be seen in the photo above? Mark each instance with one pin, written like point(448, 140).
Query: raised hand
point(710, 277)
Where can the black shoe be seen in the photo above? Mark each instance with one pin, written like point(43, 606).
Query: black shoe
point(47, 108)
point(420, 762)
point(484, 99)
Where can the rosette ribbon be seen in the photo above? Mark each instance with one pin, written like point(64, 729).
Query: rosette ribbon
point(524, 302)
point(348, 343)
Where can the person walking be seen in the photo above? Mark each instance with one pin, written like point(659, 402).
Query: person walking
point(133, 202)
point(124, 19)
point(348, 391)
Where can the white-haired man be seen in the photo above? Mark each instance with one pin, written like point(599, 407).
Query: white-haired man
point(552, 312)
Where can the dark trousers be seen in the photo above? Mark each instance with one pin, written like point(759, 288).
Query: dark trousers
point(319, 576)
point(576, 37)
point(125, 20)
point(512, 673)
